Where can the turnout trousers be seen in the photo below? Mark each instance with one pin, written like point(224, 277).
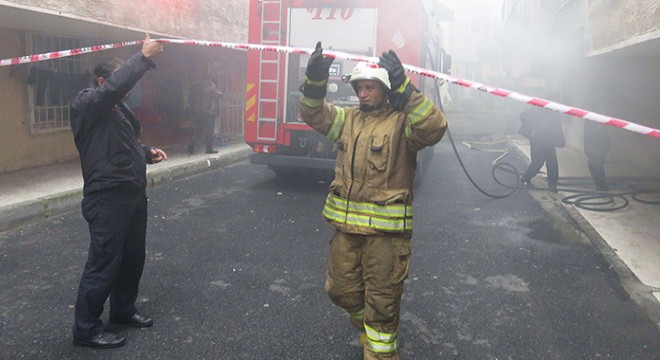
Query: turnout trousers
point(117, 225)
point(365, 277)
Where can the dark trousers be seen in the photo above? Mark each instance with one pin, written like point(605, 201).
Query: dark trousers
point(596, 163)
point(542, 154)
point(203, 124)
point(117, 225)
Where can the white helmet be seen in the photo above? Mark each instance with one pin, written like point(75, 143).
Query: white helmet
point(366, 71)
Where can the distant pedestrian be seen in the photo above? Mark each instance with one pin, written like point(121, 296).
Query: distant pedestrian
point(543, 129)
point(113, 161)
point(204, 99)
point(596, 146)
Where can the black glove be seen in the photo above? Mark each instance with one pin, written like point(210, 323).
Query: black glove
point(399, 100)
point(318, 66)
point(392, 64)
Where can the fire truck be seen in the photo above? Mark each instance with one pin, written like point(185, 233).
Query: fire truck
point(273, 127)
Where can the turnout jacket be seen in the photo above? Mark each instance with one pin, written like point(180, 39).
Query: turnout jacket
point(106, 132)
point(372, 192)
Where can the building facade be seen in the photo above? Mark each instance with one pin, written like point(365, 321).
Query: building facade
point(599, 55)
point(34, 97)
point(473, 44)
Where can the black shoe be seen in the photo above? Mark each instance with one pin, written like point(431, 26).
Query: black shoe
point(553, 187)
point(526, 182)
point(104, 340)
point(136, 320)
point(211, 151)
point(191, 149)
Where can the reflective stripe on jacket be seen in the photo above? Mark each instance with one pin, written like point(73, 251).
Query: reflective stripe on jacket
point(372, 192)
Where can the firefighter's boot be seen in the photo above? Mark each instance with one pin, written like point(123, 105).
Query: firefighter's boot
point(363, 339)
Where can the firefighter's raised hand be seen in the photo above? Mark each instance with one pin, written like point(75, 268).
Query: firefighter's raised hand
point(318, 66)
point(394, 68)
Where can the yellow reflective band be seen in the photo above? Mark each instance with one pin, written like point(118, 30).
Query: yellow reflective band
point(312, 102)
point(390, 211)
point(380, 342)
point(380, 347)
point(391, 225)
point(403, 86)
point(420, 111)
point(315, 82)
point(358, 314)
point(337, 124)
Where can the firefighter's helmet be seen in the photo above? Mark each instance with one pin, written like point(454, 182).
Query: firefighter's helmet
point(366, 71)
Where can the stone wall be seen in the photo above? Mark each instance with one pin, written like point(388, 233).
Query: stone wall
point(224, 20)
point(612, 24)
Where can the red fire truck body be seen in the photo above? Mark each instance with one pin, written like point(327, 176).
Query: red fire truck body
point(368, 27)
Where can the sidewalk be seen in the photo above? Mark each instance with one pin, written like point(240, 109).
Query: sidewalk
point(627, 238)
point(42, 192)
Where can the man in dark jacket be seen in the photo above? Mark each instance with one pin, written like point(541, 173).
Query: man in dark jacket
point(543, 129)
point(204, 99)
point(113, 161)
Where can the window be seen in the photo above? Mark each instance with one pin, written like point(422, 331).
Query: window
point(53, 83)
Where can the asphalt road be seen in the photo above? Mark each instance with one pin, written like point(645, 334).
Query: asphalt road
point(235, 270)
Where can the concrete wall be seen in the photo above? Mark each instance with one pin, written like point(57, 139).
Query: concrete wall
point(614, 24)
point(621, 87)
point(577, 55)
point(224, 20)
point(625, 83)
point(21, 149)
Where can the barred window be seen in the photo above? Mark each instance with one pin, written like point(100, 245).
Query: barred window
point(53, 83)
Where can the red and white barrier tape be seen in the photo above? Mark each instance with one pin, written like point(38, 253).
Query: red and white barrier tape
point(546, 104)
point(65, 53)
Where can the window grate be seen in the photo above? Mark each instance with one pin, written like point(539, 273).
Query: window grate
point(52, 83)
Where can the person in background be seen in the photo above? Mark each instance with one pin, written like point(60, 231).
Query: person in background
point(596, 145)
point(370, 200)
point(113, 162)
point(204, 100)
point(543, 129)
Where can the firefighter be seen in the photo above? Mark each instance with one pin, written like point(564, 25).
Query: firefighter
point(370, 200)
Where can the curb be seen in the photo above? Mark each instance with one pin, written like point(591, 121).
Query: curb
point(38, 209)
point(48, 206)
point(157, 177)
